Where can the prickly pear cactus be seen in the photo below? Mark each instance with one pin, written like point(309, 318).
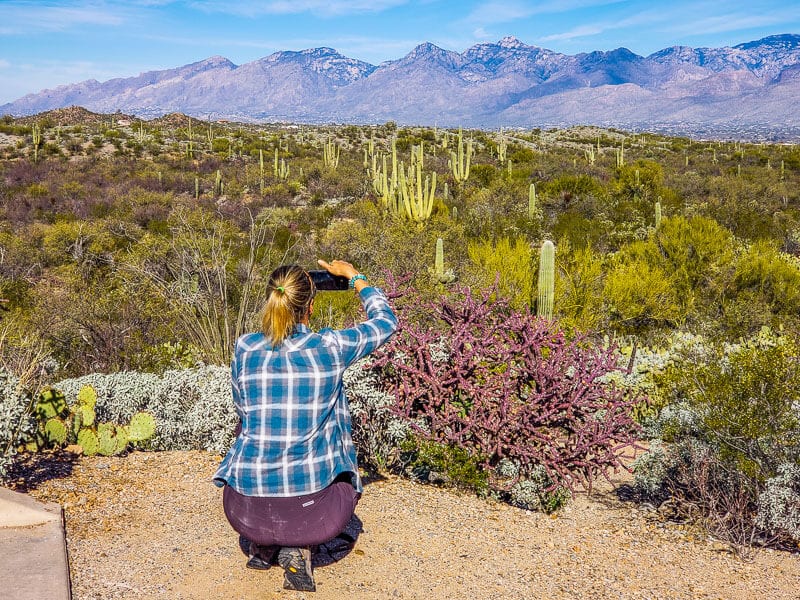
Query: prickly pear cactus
point(142, 427)
point(85, 414)
point(87, 397)
point(55, 431)
point(51, 403)
point(106, 439)
point(87, 439)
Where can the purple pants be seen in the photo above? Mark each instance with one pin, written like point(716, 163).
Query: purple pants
point(298, 521)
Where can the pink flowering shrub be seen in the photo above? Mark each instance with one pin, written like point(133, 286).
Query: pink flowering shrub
point(469, 372)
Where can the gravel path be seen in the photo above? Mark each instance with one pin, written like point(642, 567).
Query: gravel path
point(151, 525)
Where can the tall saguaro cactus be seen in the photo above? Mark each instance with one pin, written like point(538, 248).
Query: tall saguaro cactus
point(532, 201)
point(36, 134)
point(417, 197)
point(658, 213)
point(460, 159)
point(439, 273)
point(330, 155)
point(546, 286)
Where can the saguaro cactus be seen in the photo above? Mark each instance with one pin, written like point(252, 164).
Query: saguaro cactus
point(36, 134)
point(330, 155)
point(546, 286)
point(658, 212)
point(460, 159)
point(261, 171)
point(532, 201)
point(439, 273)
point(417, 197)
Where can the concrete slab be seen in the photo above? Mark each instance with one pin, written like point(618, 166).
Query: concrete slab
point(20, 510)
point(33, 551)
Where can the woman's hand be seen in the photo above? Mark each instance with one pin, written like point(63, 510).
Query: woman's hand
point(339, 267)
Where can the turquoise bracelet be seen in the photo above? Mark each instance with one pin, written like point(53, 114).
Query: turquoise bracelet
point(355, 278)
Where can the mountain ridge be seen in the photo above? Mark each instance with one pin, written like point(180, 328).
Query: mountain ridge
point(504, 83)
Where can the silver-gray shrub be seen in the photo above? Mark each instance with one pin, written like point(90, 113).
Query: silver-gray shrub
point(193, 408)
point(16, 421)
point(779, 503)
point(377, 431)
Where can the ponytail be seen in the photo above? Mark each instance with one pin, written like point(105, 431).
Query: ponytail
point(289, 295)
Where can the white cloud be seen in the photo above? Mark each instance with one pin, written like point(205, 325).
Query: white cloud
point(505, 11)
point(327, 8)
point(24, 17)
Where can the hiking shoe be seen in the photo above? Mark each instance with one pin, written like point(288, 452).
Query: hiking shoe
point(296, 563)
point(258, 563)
point(260, 557)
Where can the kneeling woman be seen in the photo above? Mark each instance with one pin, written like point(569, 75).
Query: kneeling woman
point(291, 479)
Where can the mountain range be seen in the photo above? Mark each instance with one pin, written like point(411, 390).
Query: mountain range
point(748, 90)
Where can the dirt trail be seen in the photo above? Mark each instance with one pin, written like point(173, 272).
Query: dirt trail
point(151, 525)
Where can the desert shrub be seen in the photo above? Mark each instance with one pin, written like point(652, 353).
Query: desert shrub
point(429, 461)
point(579, 287)
point(731, 428)
point(639, 295)
point(16, 420)
point(779, 503)
point(377, 430)
point(766, 277)
point(509, 261)
point(193, 408)
point(503, 385)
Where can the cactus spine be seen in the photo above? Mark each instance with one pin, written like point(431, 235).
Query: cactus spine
point(190, 144)
point(438, 263)
point(546, 286)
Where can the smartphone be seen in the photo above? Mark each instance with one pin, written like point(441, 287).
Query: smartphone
point(327, 282)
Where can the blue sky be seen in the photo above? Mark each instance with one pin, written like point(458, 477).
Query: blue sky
point(45, 43)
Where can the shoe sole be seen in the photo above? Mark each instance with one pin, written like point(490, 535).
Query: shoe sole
point(257, 564)
point(295, 572)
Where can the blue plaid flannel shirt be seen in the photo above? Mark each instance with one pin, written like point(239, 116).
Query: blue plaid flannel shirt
point(296, 429)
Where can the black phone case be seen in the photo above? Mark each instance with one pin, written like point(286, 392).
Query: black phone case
point(327, 282)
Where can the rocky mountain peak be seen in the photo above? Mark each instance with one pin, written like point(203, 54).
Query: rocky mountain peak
point(510, 41)
point(506, 83)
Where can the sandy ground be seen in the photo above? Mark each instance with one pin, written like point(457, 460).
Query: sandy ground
point(151, 525)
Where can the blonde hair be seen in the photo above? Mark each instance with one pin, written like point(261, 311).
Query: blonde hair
point(289, 295)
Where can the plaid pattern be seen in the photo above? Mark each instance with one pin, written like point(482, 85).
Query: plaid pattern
point(296, 429)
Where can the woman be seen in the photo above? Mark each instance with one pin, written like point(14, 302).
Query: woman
point(290, 479)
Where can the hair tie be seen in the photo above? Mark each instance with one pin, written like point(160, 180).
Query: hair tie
point(280, 289)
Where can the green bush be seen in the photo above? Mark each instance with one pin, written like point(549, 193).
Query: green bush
point(732, 425)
